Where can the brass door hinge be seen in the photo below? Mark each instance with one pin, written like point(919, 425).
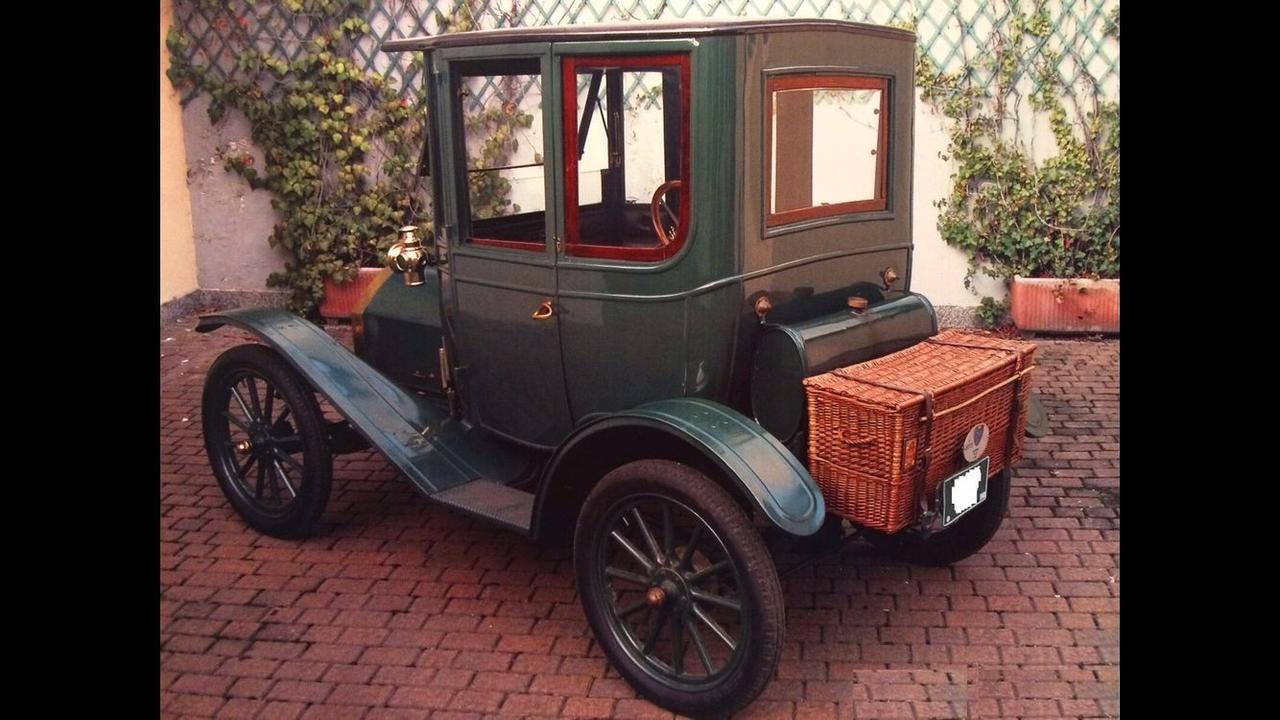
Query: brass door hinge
point(445, 378)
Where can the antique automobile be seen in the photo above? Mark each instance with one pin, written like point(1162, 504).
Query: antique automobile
point(695, 219)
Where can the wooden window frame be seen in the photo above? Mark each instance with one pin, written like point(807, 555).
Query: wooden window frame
point(827, 82)
point(569, 87)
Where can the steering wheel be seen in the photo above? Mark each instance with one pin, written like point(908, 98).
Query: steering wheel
point(665, 228)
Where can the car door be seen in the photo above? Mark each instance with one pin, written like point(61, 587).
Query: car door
point(626, 289)
point(499, 225)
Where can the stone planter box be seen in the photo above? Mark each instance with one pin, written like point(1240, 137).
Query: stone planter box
point(340, 299)
point(1067, 305)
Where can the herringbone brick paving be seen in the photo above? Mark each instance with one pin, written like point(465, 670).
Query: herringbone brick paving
point(398, 608)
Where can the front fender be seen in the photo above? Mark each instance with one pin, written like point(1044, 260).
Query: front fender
point(404, 427)
point(331, 368)
point(749, 457)
point(451, 462)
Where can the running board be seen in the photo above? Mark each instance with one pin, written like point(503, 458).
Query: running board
point(490, 501)
point(441, 456)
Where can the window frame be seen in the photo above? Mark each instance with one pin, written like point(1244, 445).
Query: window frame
point(827, 81)
point(570, 65)
point(469, 238)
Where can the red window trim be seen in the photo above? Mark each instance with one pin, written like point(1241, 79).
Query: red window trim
point(823, 82)
point(569, 86)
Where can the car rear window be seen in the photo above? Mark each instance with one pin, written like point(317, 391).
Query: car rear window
point(827, 140)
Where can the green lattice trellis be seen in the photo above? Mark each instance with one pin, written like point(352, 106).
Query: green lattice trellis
point(948, 31)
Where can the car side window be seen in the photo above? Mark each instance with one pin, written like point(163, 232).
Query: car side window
point(500, 106)
point(627, 192)
point(827, 139)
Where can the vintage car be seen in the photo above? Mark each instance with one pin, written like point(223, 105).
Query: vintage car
point(698, 216)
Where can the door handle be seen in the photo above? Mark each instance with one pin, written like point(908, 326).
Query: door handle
point(544, 311)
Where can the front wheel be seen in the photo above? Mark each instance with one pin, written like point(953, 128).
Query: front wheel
point(266, 440)
point(678, 588)
point(966, 536)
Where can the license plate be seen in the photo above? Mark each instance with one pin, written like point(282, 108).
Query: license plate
point(964, 491)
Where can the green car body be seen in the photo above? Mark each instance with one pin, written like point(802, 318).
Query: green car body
point(492, 411)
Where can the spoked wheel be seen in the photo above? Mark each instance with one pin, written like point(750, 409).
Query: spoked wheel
point(678, 588)
point(265, 437)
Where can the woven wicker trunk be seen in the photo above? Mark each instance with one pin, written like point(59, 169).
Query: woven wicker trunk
point(884, 433)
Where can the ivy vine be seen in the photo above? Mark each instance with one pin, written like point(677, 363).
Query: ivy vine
point(340, 145)
point(496, 127)
point(1011, 215)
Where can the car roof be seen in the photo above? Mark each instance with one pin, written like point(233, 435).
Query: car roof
point(638, 30)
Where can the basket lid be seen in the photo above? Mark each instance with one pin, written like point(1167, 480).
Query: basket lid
point(937, 364)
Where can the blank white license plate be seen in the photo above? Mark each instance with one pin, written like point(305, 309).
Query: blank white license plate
point(964, 491)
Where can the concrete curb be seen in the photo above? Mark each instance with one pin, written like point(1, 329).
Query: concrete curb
point(199, 301)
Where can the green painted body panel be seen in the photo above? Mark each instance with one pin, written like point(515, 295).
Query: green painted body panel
point(844, 338)
point(403, 333)
point(769, 474)
point(666, 327)
point(508, 366)
point(786, 354)
point(435, 451)
point(668, 345)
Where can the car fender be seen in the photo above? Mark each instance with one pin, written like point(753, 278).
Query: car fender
point(749, 458)
point(331, 368)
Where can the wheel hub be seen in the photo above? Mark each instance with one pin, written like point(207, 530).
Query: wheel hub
point(661, 582)
point(667, 584)
point(260, 440)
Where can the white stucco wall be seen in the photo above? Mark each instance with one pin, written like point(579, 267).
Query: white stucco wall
point(937, 269)
point(231, 221)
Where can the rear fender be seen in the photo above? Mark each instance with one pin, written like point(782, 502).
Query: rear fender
point(750, 460)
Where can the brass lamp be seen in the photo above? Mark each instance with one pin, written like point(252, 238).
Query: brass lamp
point(408, 256)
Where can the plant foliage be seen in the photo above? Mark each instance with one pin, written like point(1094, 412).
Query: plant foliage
point(1011, 215)
point(340, 146)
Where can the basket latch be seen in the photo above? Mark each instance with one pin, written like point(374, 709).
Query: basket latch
point(926, 504)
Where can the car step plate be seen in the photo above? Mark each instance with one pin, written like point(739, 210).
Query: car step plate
point(490, 501)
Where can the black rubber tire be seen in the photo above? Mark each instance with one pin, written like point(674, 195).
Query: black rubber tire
point(965, 537)
point(301, 514)
point(828, 537)
point(761, 590)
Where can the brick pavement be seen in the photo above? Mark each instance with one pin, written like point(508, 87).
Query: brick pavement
point(398, 608)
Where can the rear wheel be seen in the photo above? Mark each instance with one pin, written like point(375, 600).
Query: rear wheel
point(678, 588)
point(266, 440)
point(966, 536)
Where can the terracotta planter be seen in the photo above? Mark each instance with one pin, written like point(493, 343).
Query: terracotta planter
point(340, 299)
point(1068, 305)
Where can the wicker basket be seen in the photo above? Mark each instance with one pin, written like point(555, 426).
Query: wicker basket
point(884, 433)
